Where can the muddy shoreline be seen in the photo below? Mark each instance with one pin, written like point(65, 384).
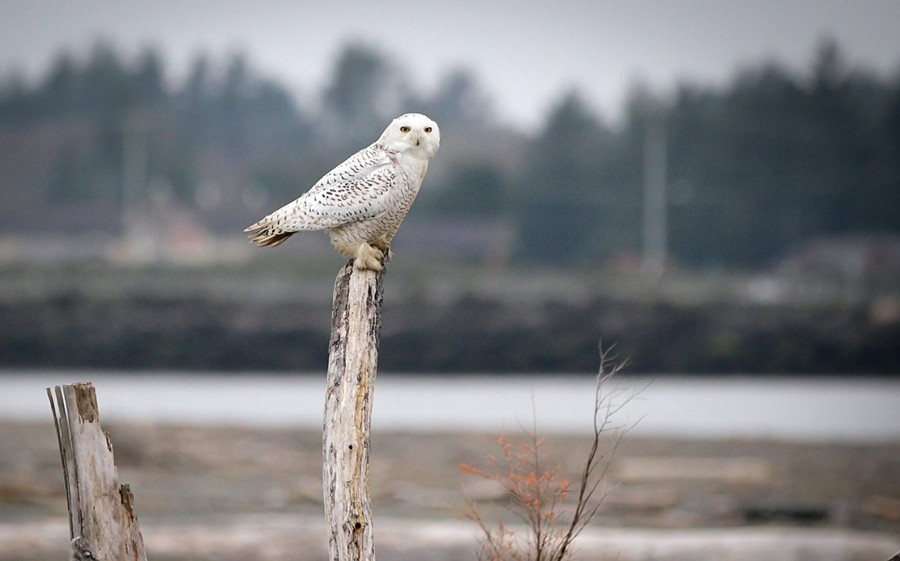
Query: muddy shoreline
point(194, 483)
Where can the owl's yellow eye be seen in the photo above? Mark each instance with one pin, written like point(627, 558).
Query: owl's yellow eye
point(427, 129)
point(404, 129)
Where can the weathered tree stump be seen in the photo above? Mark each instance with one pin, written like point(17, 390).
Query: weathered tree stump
point(352, 366)
point(102, 522)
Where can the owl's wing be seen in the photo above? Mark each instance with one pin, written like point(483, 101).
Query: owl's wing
point(355, 190)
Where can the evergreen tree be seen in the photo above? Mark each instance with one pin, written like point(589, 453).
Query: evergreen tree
point(559, 206)
point(458, 103)
point(362, 96)
point(476, 189)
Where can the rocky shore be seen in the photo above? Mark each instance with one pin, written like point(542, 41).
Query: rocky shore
point(159, 329)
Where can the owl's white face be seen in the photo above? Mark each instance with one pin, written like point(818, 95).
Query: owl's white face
point(413, 134)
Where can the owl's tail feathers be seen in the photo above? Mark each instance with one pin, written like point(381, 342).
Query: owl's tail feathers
point(264, 234)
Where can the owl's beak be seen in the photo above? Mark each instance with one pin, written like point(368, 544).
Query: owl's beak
point(418, 138)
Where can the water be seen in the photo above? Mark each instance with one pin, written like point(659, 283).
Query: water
point(808, 408)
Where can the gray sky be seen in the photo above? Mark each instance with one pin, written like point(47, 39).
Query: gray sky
point(523, 52)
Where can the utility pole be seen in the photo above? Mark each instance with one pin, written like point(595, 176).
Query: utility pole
point(654, 207)
point(134, 175)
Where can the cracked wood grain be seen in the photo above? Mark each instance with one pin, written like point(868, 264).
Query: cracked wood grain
point(352, 366)
point(102, 523)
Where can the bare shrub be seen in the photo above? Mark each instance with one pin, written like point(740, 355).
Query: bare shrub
point(537, 490)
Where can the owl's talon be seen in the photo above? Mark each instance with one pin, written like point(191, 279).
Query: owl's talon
point(385, 247)
point(368, 257)
point(369, 264)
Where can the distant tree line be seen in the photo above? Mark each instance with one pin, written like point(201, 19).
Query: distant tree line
point(755, 167)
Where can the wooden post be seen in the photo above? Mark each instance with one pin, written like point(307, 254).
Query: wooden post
point(352, 365)
point(102, 522)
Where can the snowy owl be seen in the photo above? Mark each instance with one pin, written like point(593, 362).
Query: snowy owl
point(362, 201)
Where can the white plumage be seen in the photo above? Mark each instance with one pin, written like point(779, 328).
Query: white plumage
point(362, 201)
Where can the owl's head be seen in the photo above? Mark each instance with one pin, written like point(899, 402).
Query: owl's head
point(413, 134)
